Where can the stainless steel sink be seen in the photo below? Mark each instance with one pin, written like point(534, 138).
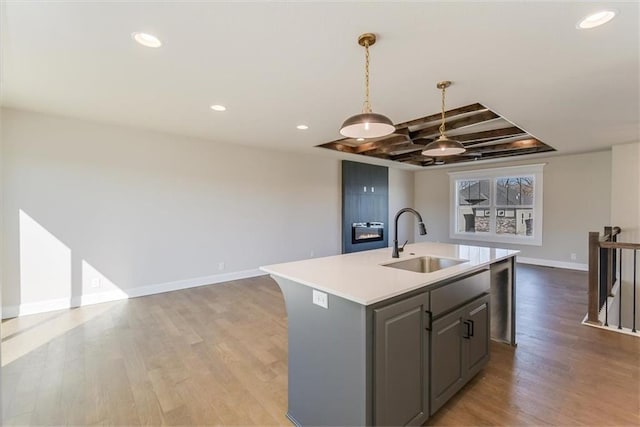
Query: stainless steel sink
point(424, 264)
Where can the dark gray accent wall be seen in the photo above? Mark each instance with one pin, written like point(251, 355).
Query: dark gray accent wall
point(365, 198)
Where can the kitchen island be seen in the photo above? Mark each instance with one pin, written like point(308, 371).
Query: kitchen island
point(375, 340)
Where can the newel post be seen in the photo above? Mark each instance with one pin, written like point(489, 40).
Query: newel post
point(594, 250)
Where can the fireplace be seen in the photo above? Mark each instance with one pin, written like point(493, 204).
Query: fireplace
point(362, 232)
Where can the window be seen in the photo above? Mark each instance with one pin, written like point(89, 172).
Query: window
point(498, 205)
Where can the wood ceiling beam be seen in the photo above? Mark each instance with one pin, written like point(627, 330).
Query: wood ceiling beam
point(374, 145)
point(402, 157)
point(411, 157)
point(396, 147)
point(450, 113)
point(500, 154)
point(505, 151)
point(418, 162)
point(481, 117)
point(507, 146)
point(338, 147)
point(489, 135)
point(526, 144)
point(517, 152)
point(369, 145)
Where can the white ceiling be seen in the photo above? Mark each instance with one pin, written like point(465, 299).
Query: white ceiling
point(276, 65)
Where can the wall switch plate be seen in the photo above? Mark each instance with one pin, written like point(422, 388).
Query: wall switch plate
point(321, 299)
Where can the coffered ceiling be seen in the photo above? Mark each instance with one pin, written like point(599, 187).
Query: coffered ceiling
point(278, 65)
point(483, 133)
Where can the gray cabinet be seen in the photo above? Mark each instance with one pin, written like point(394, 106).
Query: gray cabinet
point(401, 362)
point(459, 349)
point(420, 363)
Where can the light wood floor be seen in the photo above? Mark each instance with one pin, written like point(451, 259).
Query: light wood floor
point(218, 355)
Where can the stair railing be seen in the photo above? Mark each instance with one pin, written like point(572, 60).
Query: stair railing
point(603, 253)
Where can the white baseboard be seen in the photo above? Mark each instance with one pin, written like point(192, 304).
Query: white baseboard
point(193, 283)
point(612, 328)
point(552, 263)
point(35, 307)
point(101, 297)
point(97, 298)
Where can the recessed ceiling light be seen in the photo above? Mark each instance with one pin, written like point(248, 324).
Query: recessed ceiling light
point(360, 139)
point(302, 127)
point(146, 39)
point(217, 107)
point(596, 19)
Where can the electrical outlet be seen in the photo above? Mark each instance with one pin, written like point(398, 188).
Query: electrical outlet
point(321, 299)
point(574, 257)
point(221, 265)
point(96, 282)
point(312, 253)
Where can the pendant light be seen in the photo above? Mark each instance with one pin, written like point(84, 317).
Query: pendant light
point(443, 146)
point(367, 124)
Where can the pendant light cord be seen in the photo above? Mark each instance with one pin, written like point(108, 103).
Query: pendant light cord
point(366, 108)
point(443, 119)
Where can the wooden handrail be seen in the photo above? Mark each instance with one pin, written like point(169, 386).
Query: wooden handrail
point(619, 245)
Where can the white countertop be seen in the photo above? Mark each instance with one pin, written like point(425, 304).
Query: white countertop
point(361, 277)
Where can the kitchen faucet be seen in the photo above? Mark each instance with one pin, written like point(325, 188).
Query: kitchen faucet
point(422, 229)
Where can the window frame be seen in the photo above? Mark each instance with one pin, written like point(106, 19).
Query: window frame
point(535, 170)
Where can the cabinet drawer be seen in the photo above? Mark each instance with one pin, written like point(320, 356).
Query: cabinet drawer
point(454, 294)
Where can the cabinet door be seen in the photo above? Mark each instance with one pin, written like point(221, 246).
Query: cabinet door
point(380, 180)
point(401, 362)
point(477, 316)
point(447, 369)
point(379, 208)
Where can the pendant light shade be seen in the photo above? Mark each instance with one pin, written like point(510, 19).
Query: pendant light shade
point(367, 124)
point(443, 146)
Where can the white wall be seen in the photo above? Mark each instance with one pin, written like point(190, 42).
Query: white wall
point(625, 190)
point(92, 209)
point(577, 192)
point(625, 213)
point(1, 246)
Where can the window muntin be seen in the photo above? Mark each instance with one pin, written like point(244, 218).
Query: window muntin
point(473, 206)
point(514, 205)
